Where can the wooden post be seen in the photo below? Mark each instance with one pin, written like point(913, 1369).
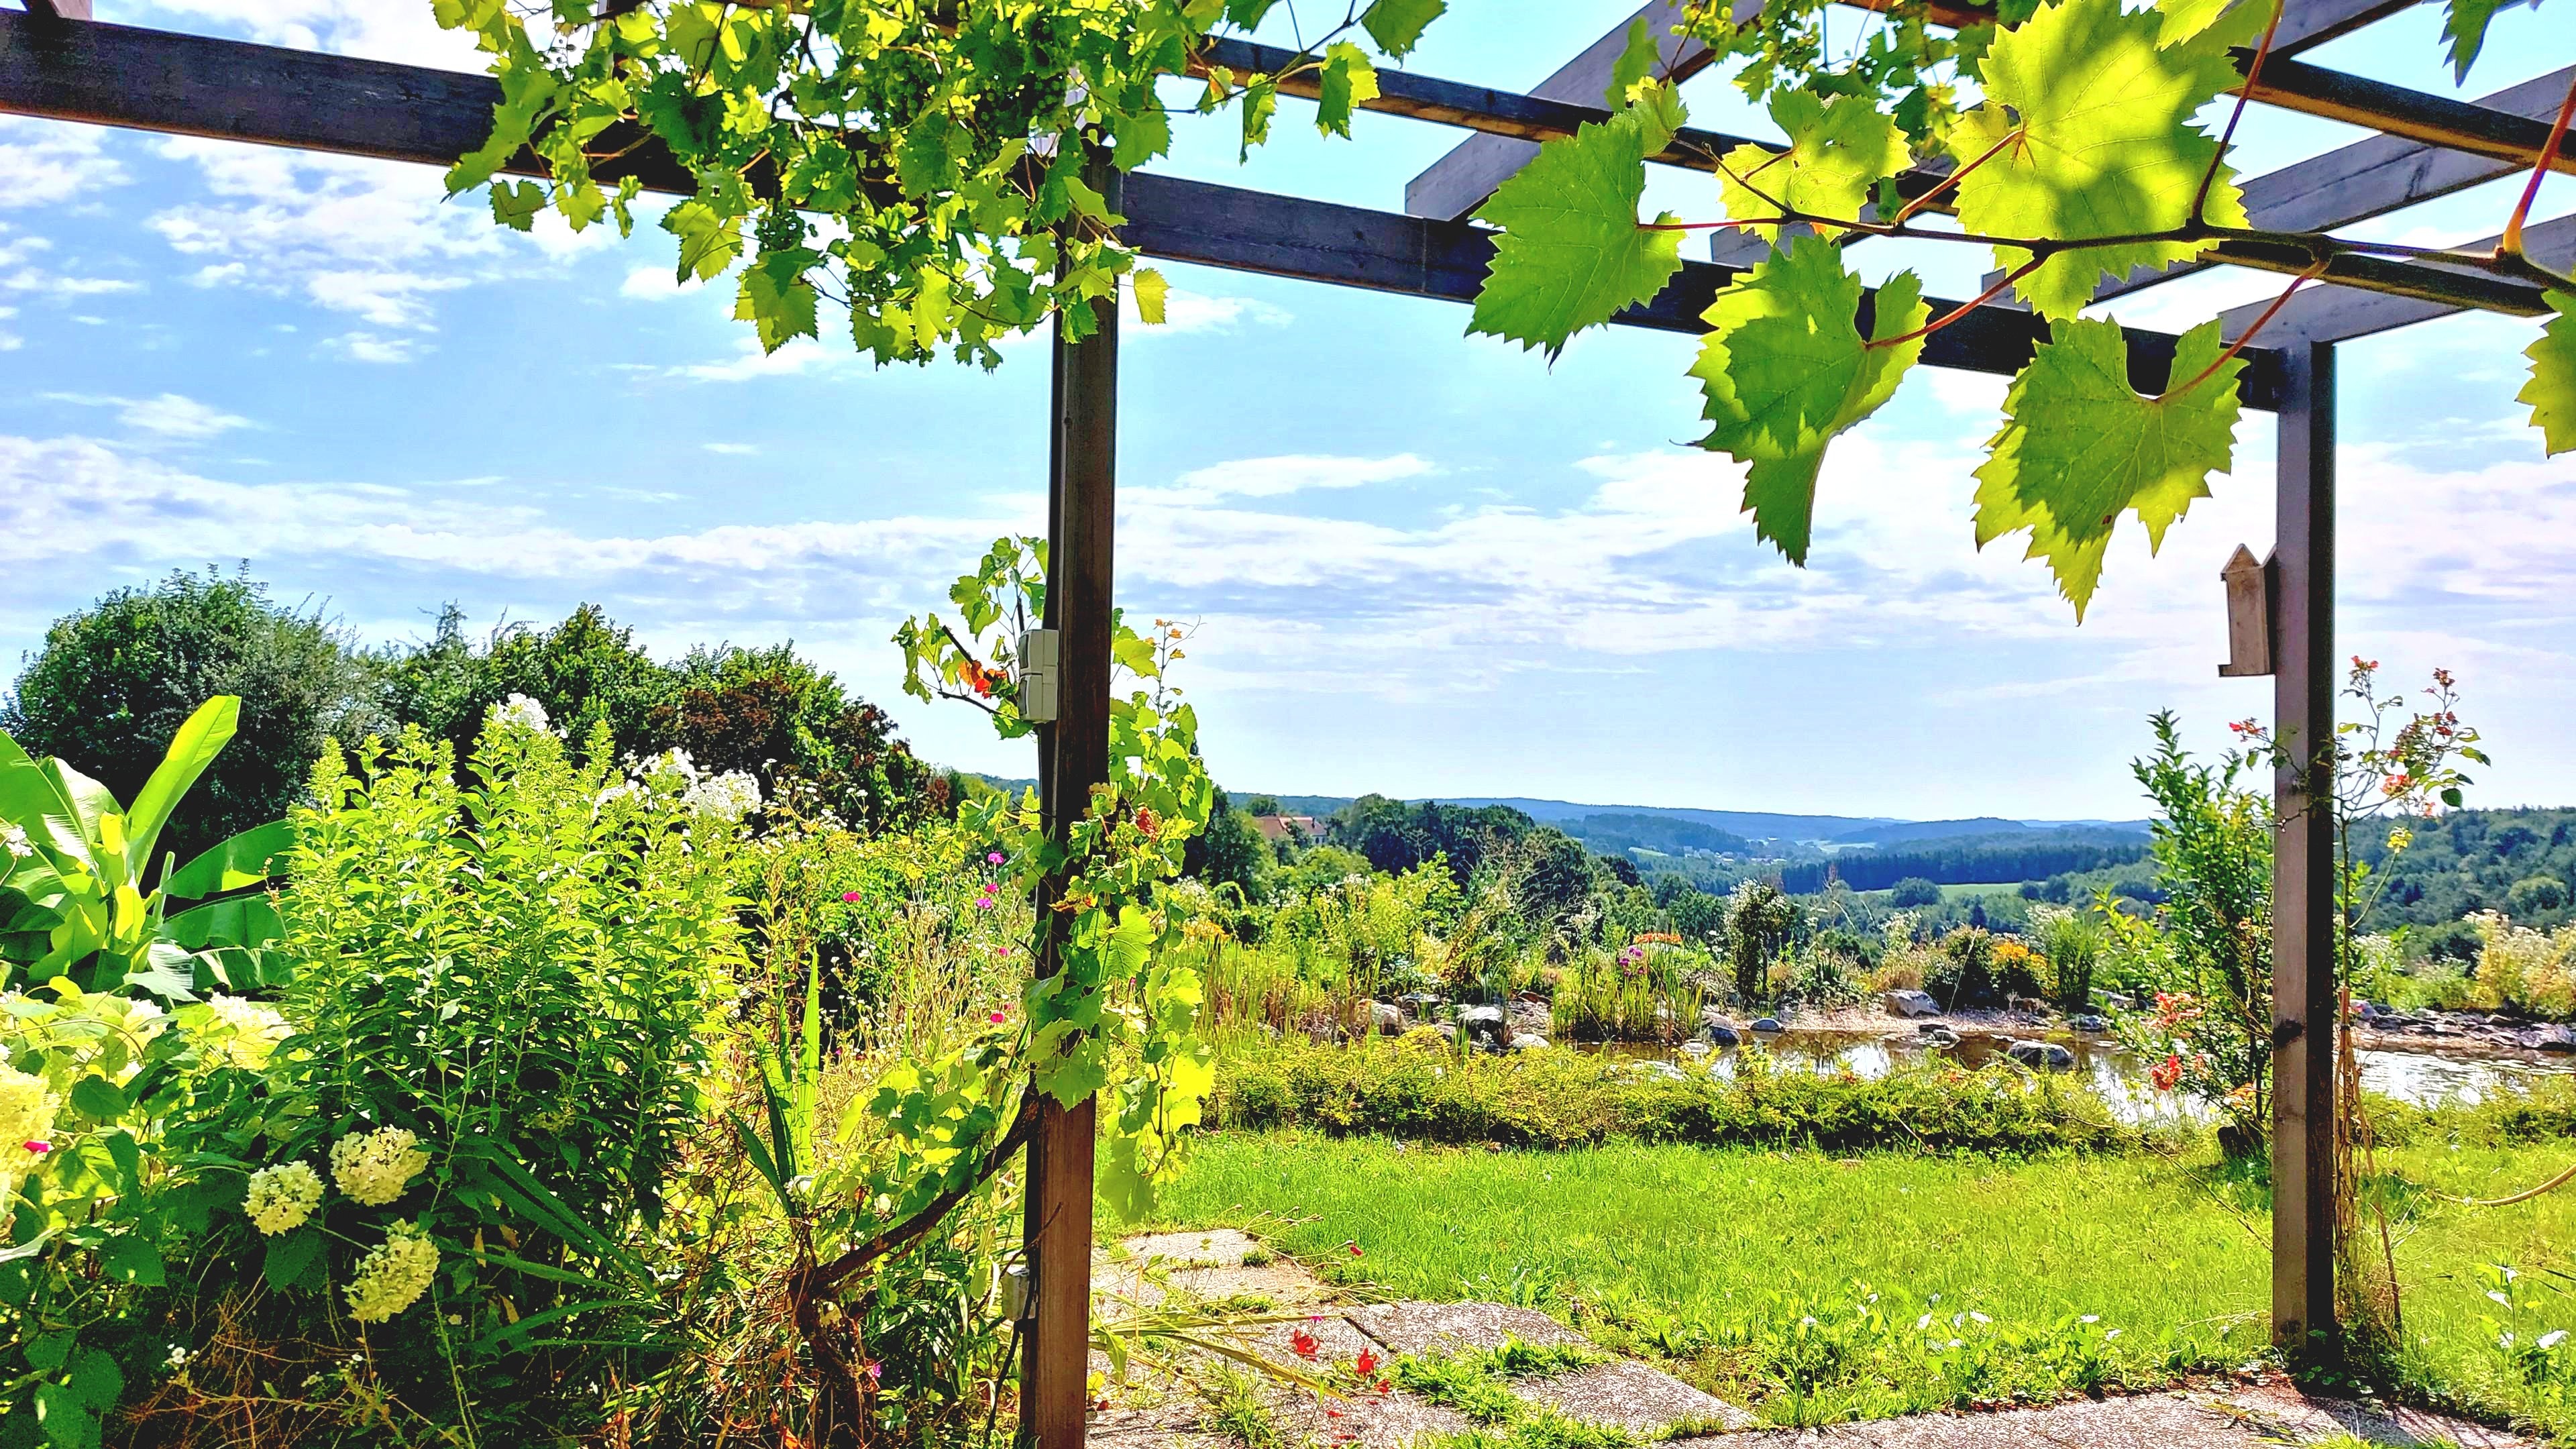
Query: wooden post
point(1073, 756)
point(2303, 964)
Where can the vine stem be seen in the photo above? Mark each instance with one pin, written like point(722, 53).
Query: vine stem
point(1954, 178)
point(2511, 245)
point(2237, 346)
point(2244, 94)
point(1963, 309)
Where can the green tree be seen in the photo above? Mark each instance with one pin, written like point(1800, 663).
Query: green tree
point(115, 681)
point(1761, 923)
point(1913, 891)
point(1231, 850)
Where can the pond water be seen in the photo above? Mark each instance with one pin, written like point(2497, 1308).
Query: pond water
point(2420, 1077)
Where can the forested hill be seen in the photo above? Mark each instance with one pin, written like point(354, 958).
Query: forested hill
point(1971, 860)
point(2522, 862)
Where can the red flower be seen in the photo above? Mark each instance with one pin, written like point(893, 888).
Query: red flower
point(2167, 1074)
point(38, 1148)
point(1145, 821)
point(1302, 1343)
point(1355, 1249)
point(1365, 1364)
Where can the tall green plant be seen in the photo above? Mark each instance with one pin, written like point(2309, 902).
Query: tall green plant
point(2211, 1030)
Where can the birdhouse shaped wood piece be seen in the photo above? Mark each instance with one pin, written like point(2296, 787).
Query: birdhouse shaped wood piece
point(2249, 615)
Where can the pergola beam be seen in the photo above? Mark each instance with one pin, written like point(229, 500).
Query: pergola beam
point(194, 85)
point(2393, 110)
point(2341, 314)
point(2368, 178)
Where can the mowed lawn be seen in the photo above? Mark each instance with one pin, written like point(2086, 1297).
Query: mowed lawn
point(1754, 1270)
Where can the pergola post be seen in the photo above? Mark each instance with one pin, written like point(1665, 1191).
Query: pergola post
point(1073, 756)
point(2303, 895)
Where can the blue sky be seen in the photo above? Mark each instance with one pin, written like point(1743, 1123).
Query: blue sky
point(1419, 563)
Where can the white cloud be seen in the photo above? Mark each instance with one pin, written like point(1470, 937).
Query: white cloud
point(368, 347)
point(1279, 476)
point(168, 416)
point(19, 253)
point(799, 355)
point(1188, 311)
point(382, 299)
point(732, 450)
point(49, 163)
point(404, 33)
point(650, 284)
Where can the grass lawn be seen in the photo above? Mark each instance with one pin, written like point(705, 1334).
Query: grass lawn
point(1754, 1271)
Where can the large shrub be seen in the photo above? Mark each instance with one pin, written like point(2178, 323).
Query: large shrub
point(115, 681)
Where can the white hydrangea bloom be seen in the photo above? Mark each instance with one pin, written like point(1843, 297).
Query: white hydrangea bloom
point(375, 1167)
point(246, 1031)
point(521, 712)
point(728, 797)
point(13, 840)
point(26, 1126)
point(145, 1019)
point(282, 1197)
point(393, 1275)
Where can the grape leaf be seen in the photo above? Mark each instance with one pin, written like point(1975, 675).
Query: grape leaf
point(1572, 254)
point(2464, 32)
point(777, 300)
point(2079, 446)
point(1151, 293)
point(1784, 369)
point(2552, 389)
point(1347, 80)
point(1396, 25)
point(516, 204)
point(2214, 24)
point(2104, 146)
point(1837, 152)
point(1640, 60)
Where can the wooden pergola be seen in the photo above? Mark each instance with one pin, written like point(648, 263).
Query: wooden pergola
point(59, 63)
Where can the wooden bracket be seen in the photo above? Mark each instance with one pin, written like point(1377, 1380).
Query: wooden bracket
point(60, 9)
point(2249, 615)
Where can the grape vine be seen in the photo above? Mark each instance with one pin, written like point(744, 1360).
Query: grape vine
point(2079, 160)
point(917, 164)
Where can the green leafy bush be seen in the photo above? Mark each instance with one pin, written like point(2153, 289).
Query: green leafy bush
point(1420, 1088)
point(115, 681)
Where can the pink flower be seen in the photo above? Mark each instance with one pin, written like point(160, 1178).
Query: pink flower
point(850, 897)
point(38, 1148)
point(992, 857)
point(876, 1371)
point(983, 903)
point(998, 1018)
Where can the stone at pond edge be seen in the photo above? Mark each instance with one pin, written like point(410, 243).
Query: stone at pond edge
point(1528, 1041)
point(2087, 1022)
point(2556, 1039)
point(1768, 1023)
point(1911, 1003)
point(1482, 1021)
point(2047, 1055)
point(1718, 1027)
point(1386, 1017)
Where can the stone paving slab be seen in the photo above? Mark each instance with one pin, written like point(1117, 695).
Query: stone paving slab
point(1645, 1401)
point(2235, 1418)
point(1418, 1328)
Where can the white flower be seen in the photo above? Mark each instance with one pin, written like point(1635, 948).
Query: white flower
point(521, 712)
point(728, 797)
point(393, 1275)
point(1981, 1318)
point(145, 1019)
point(2552, 1339)
point(375, 1167)
point(282, 1197)
point(249, 1031)
point(26, 1126)
point(13, 839)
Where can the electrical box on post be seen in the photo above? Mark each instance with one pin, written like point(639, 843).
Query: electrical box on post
point(1041, 679)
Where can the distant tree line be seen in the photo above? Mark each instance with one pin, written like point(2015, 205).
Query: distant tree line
point(1975, 860)
point(114, 680)
point(2521, 862)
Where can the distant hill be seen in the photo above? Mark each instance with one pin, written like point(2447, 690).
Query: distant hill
point(1754, 826)
point(1620, 832)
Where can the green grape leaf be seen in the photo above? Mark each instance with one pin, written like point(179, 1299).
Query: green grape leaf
point(1572, 254)
point(131, 1258)
point(1260, 103)
point(2464, 32)
point(709, 240)
point(516, 204)
point(1151, 293)
point(96, 1380)
point(1347, 80)
point(2211, 24)
point(776, 299)
point(1397, 25)
point(1246, 14)
point(2104, 146)
point(2079, 446)
point(2552, 389)
point(1838, 151)
point(1638, 62)
point(1784, 369)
